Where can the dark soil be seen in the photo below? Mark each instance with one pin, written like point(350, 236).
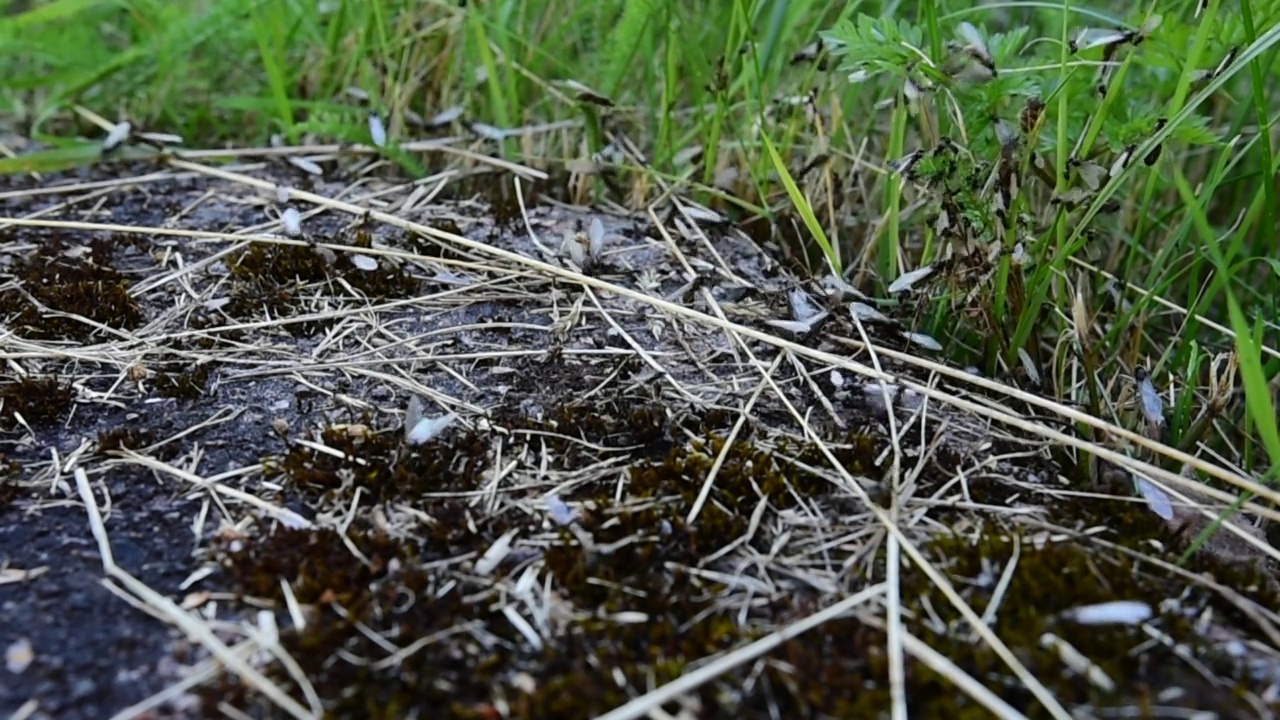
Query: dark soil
point(94, 655)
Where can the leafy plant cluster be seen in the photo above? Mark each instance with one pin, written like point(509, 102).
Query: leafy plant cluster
point(1016, 134)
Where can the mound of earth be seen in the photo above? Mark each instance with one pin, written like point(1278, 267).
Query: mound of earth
point(424, 459)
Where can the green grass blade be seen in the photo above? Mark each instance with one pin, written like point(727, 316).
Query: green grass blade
point(803, 207)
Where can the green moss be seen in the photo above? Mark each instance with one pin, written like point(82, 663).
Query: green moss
point(79, 287)
point(647, 538)
point(122, 438)
point(214, 323)
point(461, 675)
point(186, 385)
point(1048, 581)
point(40, 401)
point(9, 489)
point(642, 560)
point(382, 464)
point(269, 279)
point(281, 264)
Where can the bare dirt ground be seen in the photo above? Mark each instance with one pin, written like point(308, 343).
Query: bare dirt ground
point(645, 499)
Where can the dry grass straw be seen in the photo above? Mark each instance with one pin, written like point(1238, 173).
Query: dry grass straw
point(194, 627)
point(546, 269)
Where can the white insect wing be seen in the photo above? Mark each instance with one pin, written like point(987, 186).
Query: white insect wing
point(810, 51)
point(559, 512)
point(1156, 498)
point(293, 521)
point(880, 395)
point(802, 307)
point(630, 617)
point(269, 632)
point(911, 90)
point(496, 553)
point(1020, 256)
point(1122, 161)
point(18, 656)
point(595, 238)
point(906, 162)
point(1097, 37)
point(923, 340)
point(1116, 612)
point(1029, 365)
point(1092, 174)
point(799, 327)
point(1004, 132)
point(1074, 196)
point(413, 413)
point(117, 135)
point(488, 132)
point(836, 287)
point(419, 429)
point(1226, 61)
point(866, 313)
point(428, 429)
point(585, 92)
point(907, 280)
point(305, 165)
point(701, 214)
point(364, 262)
point(686, 156)
point(1152, 406)
point(571, 247)
point(330, 257)
point(974, 38)
point(377, 130)
point(291, 220)
point(858, 76)
point(446, 116)
point(161, 138)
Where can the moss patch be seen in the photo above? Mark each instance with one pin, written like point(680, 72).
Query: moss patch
point(632, 609)
point(271, 280)
point(635, 610)
point(41, 401)
point(9, 490)
point(185, 385)
point(85, 285)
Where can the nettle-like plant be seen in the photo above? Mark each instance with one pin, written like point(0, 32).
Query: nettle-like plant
point(1007, 136)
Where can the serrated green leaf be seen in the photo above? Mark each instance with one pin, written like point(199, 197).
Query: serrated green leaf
point(1196, 131)
point(874, 44)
